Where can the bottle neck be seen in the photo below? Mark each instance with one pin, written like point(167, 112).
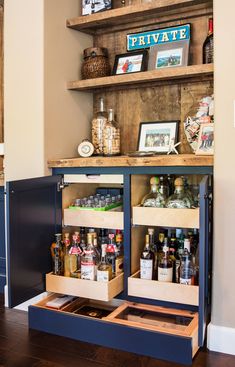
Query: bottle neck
point(210, 27)
point(154, 188)
point(111, 115)
point(179, 189)
point(101, 108)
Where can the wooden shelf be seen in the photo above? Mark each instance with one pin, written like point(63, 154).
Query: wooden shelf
point(117, 18)
point(126, 161)
point(143, 79)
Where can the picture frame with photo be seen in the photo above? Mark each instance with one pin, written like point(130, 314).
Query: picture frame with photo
point(92, 6)
point(206, 140)
point(157, 136)
point(169, 55)
point(130, 62)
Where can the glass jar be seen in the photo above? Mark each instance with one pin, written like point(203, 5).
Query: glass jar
point(97, 128)
point(111, 141)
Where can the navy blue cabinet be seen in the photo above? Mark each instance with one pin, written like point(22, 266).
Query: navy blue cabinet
point(35, 214)
point(2, 242)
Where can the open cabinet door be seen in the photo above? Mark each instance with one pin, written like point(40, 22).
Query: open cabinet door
point(33, 217)
point(203, 257)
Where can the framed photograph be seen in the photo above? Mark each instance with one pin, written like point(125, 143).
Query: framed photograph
point(206, 140)
point(157, 136)
point(131, 62)
point(93, 6)
point(168, 55)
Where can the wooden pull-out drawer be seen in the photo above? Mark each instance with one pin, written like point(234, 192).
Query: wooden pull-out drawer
point(163, 291)
point(104, 291)
point(158, 332)
point(100, 179)
point(164, 217)
point(95, 219)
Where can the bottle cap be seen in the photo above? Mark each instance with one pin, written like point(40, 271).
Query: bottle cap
point(151, 231)
point(154, 180)
point(179, 182)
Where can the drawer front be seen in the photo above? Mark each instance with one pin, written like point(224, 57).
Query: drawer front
point(162, 291)
point(95, 219)
point(101, 179)
point(164, 217)
point(132, 339)
point(85, 288)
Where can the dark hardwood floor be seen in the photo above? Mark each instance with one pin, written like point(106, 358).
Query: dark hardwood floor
point(20, 347)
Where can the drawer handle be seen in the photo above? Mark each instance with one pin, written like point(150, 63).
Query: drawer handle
point(92, 177)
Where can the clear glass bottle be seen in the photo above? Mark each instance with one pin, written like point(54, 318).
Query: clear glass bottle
point(97, 128)
point(154, 198)
point(147, 261)
point(75, 253)
point(57, 254)
point(165, 265)
point(179, 253)
point(104, 270)
point(187, 272)
point(179, 200)
point(111, 141)
point(89, 261)
point(67, 246)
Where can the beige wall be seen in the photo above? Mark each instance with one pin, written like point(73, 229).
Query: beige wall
point(67, 114)
point(23, 88)
point(42, 119)
point(224, 195)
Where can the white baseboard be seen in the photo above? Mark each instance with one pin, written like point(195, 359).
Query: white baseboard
point(221, 339)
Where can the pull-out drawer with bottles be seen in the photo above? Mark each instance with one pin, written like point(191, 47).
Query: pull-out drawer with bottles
point(138, 328)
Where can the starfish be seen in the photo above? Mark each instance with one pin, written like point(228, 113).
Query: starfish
point(172, 148)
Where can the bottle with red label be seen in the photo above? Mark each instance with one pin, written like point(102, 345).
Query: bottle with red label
point(74, 256)
point(111, 252)
point(89, 260)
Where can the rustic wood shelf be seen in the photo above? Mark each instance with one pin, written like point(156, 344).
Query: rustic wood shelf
point(126, 161)
point(118, 17)
point(142, 79)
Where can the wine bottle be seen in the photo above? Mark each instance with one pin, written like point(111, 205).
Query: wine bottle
point(208, 45)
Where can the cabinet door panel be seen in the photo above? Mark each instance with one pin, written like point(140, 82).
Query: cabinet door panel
point(33, 216)
point(203, 257)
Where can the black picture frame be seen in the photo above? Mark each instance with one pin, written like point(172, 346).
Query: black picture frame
point(138, 64)
point(157, 136)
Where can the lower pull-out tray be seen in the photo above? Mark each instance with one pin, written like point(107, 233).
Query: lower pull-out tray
point(158, 332)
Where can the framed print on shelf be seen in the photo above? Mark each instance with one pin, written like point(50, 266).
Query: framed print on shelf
point(206, 140)
point(131, 62)
point(168, 55)
point(157, 136)
point(92, 6)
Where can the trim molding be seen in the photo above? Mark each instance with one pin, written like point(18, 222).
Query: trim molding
point(221, 339)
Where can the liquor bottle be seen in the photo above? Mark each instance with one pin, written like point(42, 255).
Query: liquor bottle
point(74, 255)
point(154, 249)
point(179, 200)
point(89, 261)
point(57, 255)
point(103, 237)
point(111, 252)
point(208, 45)
point(83, 238)
point(111, 141)
point(179, 253)
point(146, 261)
point(165, 265)
point(67, 246)
point(164, 187)
point(97, 128)
point(119, 252)
point(186, 266)
point(160, 243)
point(172, 254)
point(104, 269)
point(154, 198)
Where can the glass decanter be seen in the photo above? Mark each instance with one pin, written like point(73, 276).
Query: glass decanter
point(154, 198)
point(179, 200)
